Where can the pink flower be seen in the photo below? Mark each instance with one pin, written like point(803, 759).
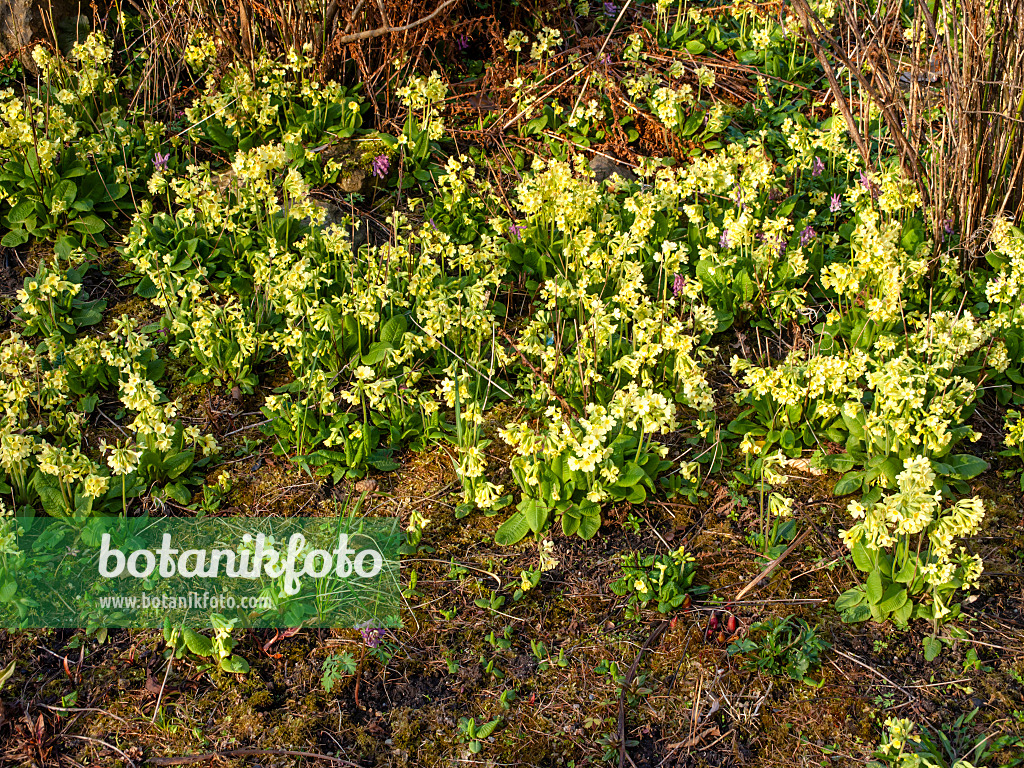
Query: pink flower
point(380, 165)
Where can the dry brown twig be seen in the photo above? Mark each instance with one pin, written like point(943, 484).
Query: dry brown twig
point(772, 565)
point(372, 33)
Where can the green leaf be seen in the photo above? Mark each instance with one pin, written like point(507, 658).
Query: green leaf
point(487, 729)
point(393, 329)
point(894, 598)
point(873, 587)
point(966, 466)
point(6, 674)
point(146, 288)
point(50, 495)
point(21, 211)
point(535, 512)
point(848, 483)
point(838, 462)
point(902, 614)
point(638, 495)
point(89, 225)
point(692, 124)
point(913, 235)
point(890, 467)
point(850, 599)
point(178, 492)
point(117, 191)
point(64, 246)
point(235, 665)
point(174, 465)
point(512, 530)
point(743, 286)
point(200, 645)
point(589, 525)
point(570, 522)
point(14, 238)
point(856, 614)
point(65, 190)
point(90, 314)
point(384, 465)
point(695, 47)
point(854, 424)
point(932, 648)
point(377, 352)
point(7, 590)
point(908, 572)
point(633, 475)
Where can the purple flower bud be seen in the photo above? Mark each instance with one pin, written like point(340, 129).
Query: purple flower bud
point(678, 284)
point(610, 9)
point(807, 235)
point(462, 43)
point(372, 636)
point(380, 165)
point(869, 185)
point(817, 167)
point(835, 204)
point(514, 230)
point(160, 160)
point(723, 241)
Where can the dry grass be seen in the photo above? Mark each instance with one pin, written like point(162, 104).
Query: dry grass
point(952, 100)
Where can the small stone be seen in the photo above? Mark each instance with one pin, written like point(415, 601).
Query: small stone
point(604, 168)
point(366, 485)
point(353, 182)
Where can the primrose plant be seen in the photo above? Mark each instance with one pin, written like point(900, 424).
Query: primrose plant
point(182, 640)
point(665, 580)
point(904, 542)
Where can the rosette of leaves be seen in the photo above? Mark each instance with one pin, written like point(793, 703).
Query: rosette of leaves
point(779, 646)
point(862, 468)
point(58, 313)
point(475, 734)
point(301, 428)
point(897, 580)
point(164, 475)
point(562, 492)
point(72, 197)
point(336, 114)
point(183, 640)
point(664, 579)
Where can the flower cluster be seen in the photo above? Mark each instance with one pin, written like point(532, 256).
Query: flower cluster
point(916, 510)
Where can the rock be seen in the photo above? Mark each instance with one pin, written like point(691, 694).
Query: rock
point(604, 168)
point(353, 181)
point(22, 25)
